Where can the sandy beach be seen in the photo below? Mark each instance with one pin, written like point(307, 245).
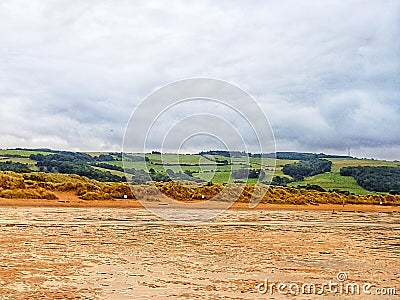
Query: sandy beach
point(75, 249)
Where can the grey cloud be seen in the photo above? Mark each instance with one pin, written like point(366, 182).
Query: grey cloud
point(326, 72)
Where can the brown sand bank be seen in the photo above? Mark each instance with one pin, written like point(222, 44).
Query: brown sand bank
point(71, 200)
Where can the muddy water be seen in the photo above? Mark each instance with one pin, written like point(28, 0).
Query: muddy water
point(67, 253)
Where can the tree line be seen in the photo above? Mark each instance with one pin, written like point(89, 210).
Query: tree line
point(74, 163)
point(307, 168)
point(377, 179)
point(248, 173)
point(14, 167)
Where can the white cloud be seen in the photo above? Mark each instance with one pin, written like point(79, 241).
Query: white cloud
point(326, 72)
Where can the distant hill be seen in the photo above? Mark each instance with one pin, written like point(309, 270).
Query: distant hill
point(278, 155)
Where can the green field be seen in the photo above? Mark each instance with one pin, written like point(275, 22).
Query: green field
point(206, 168)
point(332, 181)
point(24, 153)
point(338, 163)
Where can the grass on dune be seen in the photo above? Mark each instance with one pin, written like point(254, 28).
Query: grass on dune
point(45, 186)
point(278, 195)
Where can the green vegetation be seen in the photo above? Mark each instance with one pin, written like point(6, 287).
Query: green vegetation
point(307, 168)
point(248, 173)
point(14, 166)
point(337, 163)
point(24, 152)
point(378, 179)
point(334, 181)
point(74, 163)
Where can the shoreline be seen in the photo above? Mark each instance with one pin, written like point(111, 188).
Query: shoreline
point(75, 202)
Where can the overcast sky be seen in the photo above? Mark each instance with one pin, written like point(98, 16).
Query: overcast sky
point(326, 73)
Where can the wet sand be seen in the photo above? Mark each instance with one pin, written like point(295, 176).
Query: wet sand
point(128, 253)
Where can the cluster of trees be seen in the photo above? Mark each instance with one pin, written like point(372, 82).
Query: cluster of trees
point(280, 181)
point(141, 176)
point(74, 163)
point(224, 153)
point(133, 158)
point(37, 149)
point(73, 157)
point(14, 167)
point(104, 157)
point(186, 175)
point(277, 155)
point(110, 167)
point(13, 155)
point(248, 173)
point(297, 155)
point(307, 168)
point(138, 176)
point(377, 179)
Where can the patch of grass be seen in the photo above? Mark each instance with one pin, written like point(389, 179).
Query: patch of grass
point(338, 163)
point(114, 172)
point(24, 153)
point(217, 177)
point(332, 181)
point(28, 194)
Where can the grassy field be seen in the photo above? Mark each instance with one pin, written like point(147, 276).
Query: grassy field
point(205, 168)
point(338, 163)
point(24, 153)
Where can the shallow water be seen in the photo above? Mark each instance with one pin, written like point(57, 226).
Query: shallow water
point(75, 253)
